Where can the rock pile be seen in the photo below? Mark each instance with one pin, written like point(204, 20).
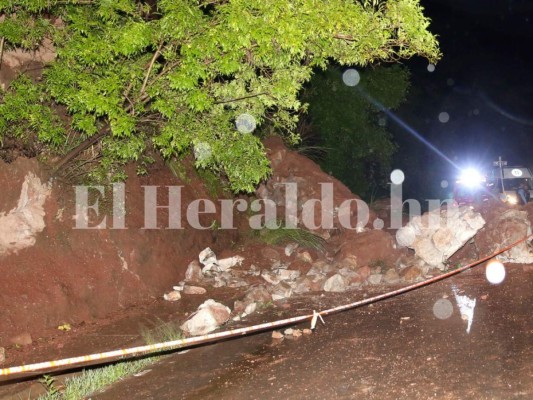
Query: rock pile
point(438, 234)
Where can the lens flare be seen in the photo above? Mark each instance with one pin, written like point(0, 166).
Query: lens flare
point(351, 77)
point(245, 123)
point(495, 272)
point(397, 176)
point(443, 309)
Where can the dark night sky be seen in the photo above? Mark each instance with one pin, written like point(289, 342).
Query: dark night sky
point(485, 84)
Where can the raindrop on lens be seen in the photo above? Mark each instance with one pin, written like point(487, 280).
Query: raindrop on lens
point(431, 67)
point(443, 309)
point(444, 117)
point(202, 151)
point(378, 224)
point(397, 176)
point(245, 123)
point(495, 272)
point(444, 184)
point(475, 112)
point(450, 82)
point(351, 77)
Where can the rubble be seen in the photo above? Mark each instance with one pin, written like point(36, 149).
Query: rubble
point(209, 260)
point(281, 291)
point(336, 283)
point(175, 295)
point(504, 228)
point(437, 235)
point(209, 316)
point(277, 335)
point(194, 290)
point(194, 272)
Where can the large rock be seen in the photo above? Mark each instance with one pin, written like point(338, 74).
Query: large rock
point(504, 228)
point(360, 249)
point(210, 316)
point(437, 235)
point(19, 226)
point(336, 283)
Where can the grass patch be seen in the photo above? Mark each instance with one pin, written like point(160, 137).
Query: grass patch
point(164, 332)
point(92, 380)
point(282, 235)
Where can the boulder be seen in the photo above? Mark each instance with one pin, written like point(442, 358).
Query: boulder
point(209, 316)
point(504, 228)
point(194, 272)
point(359, 249)
point(336, 283)
point(437, 235)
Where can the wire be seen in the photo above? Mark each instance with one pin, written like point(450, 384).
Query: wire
point(180, 344)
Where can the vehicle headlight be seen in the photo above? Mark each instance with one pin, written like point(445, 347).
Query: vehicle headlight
point(512, 199)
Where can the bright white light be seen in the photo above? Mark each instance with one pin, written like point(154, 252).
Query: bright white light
point(470, 177)
point(245, 123)
point(444, 117)
point(351, 77)
point(431, 67)
point(512, 199)
point(397, 176)
point(495, 272)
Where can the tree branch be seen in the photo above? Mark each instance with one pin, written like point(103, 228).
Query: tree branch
point(152, 62)
point(241, 98)
point(2, 40)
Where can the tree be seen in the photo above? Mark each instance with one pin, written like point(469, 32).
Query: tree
point(177, 74)
point(352, 131)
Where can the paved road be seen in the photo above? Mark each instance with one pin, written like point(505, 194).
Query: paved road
point(396, 349)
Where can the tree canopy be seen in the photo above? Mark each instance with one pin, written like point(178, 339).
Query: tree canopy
point(176, 75)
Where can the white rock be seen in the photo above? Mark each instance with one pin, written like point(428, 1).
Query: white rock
point(209, 316)
point(194, 290)
point(172, 296)
point(437, 235)
point(270, 277)
point(336, 283)
point(194, 272)
point(290, 248)
point(227, 263)
point(305, 257)
point(281, 291)
point(207, 257)
point(277, 335)
point(287, 274)
point(302, 285)
point(250, 308)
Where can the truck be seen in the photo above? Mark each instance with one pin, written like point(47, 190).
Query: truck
point(507, 181)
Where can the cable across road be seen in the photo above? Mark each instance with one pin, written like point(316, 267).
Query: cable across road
point(181, 344)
